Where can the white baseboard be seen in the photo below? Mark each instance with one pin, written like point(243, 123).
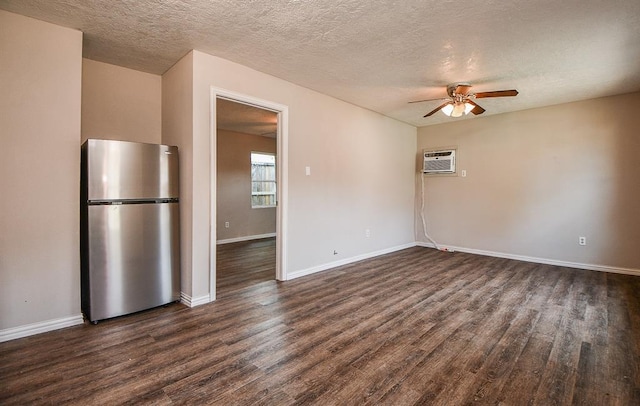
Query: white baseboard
point(346, 261)
point(245, 238)
point(40, 327)
point(591, 267)
point(50, 325)
point(193, 302)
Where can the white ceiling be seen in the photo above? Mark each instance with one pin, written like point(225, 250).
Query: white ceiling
point(378, 54)
point(246, 119)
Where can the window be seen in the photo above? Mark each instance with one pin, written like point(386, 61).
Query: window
point(263, 180)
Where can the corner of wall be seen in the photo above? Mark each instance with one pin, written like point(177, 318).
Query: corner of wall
point(177, 129)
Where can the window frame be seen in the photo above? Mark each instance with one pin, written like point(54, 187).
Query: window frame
point(274, 181)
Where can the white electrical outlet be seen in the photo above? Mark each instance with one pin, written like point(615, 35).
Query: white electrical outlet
point(582, 240)
point(367, 233)
point(463, 173)
point(226, 224)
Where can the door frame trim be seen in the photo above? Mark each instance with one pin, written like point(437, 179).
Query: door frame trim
point(282, 178)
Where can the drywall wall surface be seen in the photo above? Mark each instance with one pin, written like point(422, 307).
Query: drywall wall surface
point(177, 129)
point(233, 197)
point(40, 87)
point(120, 103)
point(361, 165)
point(539, 179)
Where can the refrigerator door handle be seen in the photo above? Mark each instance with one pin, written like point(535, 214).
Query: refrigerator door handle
point(131, 201)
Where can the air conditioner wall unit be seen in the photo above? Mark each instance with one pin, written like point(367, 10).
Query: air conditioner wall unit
point(441, 161)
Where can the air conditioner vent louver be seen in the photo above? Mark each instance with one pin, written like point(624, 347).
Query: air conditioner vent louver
point(443, 165)
point(440, 161)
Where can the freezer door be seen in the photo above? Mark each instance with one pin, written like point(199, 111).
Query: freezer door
point(130, 170)
point(134, 258)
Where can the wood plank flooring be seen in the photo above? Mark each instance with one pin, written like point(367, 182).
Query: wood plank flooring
point(416, 327)
point(243, 264)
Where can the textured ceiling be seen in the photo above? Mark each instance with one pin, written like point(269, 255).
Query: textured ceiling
point(246, 119)
point(378, 54)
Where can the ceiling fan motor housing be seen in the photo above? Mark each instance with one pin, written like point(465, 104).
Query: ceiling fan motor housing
point(451, 89)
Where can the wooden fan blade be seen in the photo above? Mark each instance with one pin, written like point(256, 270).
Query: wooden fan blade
point(476, 108)
point(426, 100)
point(462, 89)
point(437, 109)
point(497, 93)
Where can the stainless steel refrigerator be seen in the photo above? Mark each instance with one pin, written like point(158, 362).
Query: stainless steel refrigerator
point(130, 245)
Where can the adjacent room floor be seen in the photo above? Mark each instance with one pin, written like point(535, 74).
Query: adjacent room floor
point(417, 326)
point(243, 264)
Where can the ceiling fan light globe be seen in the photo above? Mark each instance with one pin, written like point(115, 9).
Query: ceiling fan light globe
point(468, 107)
point(447, 110)
point(458, 110)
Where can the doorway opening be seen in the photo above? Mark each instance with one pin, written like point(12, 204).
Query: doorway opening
point(248, 173)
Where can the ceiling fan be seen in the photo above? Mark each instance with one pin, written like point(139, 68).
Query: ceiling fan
point(460, 101)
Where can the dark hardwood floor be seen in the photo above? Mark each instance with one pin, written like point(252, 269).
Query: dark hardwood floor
point(416, 327)
point(243, 264)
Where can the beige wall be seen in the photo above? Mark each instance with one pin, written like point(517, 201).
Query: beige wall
point(362, 167)
point(120, 103)
point(177, 129)
point(539, 179)
point(233, 199)
point(40, 81)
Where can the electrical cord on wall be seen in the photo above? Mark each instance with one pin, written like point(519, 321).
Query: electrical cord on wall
point(422, 216)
